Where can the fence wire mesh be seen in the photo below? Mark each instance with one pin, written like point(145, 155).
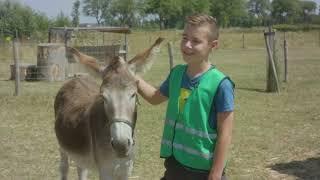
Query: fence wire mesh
point(104, 46)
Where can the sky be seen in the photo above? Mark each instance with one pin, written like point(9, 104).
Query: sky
point(53, 7)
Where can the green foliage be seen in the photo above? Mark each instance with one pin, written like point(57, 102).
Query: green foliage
point(285, 11)
point(98, 9)
point(315, 19)
point(75, 13)
point(259, 8)
point(124, 12)
point(61, 20)
point(172, 13)
point(190, 7)
point(16, 19)
point(308, 8)
point(258, 11)
point(163, 14)
point(228, 12)
point(168, 11)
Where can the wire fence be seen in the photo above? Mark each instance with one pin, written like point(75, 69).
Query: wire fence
point(37, 64)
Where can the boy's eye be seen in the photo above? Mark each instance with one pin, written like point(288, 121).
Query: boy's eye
point(196, 41)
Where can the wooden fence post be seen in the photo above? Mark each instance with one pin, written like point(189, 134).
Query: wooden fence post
point(170, 51)
point(319, 38)
point(126, 47)
point(272, 75)
point(285, 46)
point(16, 65)
point(243, 39)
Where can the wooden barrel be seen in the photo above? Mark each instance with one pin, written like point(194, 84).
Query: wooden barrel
point(23, 71)
point(51, 62)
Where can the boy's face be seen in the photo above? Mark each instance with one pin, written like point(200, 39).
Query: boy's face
point(195, 44)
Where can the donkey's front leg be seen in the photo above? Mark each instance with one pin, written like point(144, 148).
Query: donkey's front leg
point(123, 169)
point(82, 173)
point(105, 173)
point(64, 165)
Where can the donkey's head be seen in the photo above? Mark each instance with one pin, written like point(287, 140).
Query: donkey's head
point(119, 93)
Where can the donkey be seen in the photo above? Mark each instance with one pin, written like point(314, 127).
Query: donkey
point(94, 124)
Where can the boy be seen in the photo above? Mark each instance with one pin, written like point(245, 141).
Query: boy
point(199, 118)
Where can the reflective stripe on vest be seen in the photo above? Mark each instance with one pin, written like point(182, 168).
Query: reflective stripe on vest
point(189, 150)
point(191, 131)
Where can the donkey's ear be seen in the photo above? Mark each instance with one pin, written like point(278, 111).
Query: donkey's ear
point(89, 62)
point(143, 61)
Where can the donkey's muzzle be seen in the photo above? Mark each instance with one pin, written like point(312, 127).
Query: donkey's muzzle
point(121, 138)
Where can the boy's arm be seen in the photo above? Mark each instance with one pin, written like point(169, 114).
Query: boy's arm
point(224, 125)
point(149, 93)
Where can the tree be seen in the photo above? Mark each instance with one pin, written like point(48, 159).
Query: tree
point(16, 19)
point(42, 22)
point(62, 20)
point(98, 9)
point(259, 9)
point(124, 12)
point(190, 7)
point(168, 11)
point(308, 9)
point(75, 13)
point(228, 12)
point(285, 11)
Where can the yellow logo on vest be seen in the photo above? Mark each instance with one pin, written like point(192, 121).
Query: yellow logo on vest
point(184, 94)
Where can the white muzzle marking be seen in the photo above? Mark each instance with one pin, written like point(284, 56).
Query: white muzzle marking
point(121, 138)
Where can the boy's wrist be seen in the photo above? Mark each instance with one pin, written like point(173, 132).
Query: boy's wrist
point(214, 176)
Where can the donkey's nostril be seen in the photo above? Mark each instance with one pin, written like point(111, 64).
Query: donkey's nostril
point(129, 143)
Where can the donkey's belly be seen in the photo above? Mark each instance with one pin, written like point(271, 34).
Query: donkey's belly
point(72, 138)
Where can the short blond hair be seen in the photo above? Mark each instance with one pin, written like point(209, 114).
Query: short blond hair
point(203, 19)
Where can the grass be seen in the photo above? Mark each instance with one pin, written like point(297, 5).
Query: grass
point(276, 136)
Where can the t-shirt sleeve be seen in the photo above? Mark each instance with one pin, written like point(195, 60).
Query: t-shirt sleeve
point(224, 99)
point(164, 88)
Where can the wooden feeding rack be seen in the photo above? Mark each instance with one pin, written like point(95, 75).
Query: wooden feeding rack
point(65, 35)
point(71, 36)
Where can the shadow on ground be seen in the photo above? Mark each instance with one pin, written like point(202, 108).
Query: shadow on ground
point(308, 169)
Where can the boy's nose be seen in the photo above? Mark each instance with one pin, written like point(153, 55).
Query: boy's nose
point(188, 45)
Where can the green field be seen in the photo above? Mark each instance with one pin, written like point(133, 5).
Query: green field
point(276, 136)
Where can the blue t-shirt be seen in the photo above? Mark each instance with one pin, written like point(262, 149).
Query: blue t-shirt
point(223, 100)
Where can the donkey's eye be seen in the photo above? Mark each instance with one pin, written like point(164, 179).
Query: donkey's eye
point(133, 95)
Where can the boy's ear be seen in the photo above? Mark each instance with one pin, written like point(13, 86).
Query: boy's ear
point(214, 44)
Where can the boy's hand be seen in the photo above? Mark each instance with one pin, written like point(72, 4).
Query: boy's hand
point(214, 176)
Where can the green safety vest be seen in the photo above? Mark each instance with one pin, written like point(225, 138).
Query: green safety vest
point(187, 134)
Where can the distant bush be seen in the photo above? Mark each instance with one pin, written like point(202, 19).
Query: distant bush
point(296, 27)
